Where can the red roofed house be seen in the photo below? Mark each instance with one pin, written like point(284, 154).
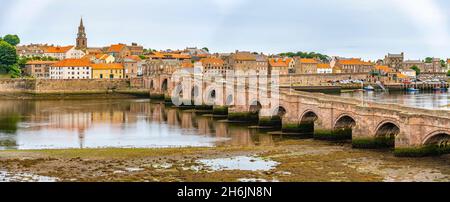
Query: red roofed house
point(305, 65)
point(283, 65)
point(63, 52)
point(71, 69)
point(118, 50)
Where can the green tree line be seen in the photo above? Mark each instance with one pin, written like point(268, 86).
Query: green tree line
point(9, 60)
point(322, 57)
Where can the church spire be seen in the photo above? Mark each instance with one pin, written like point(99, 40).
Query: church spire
point(81, 22)
point(81, 38)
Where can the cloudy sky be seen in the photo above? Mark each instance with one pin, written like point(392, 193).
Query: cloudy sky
point(358, 28)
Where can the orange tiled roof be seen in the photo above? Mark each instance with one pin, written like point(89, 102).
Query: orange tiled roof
point(401, 76)
point(324, 66)
point(308, 61)
point(245, 56)
point(73, 63)
point(134, 57)
point(383, 68)
point(101, 56)
point(278, 62)
point(156, 55)
point(212, 60)
point(187, 64)
point(353, 61)
point(448, 61)
point(115, 48)
point(103, 66)
point(58, 49)
point(38, 62)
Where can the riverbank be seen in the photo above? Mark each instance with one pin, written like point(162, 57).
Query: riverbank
point(292, 160)
point(86, 94)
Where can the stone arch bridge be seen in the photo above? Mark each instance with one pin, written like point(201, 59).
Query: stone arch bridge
point(411, 131)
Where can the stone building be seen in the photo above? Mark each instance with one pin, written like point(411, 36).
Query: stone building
point(38, 69)
point(160, 66)
point(284, 66)
point(244, 61)
point(118, 51)
point(434, 66)
point(305, 65)
point(394, 61)
point(353, 65)
point(136, 49)
point(214, 65)
point(31, 50)
point(71, 69)
point(407, 64)
point(132, 66)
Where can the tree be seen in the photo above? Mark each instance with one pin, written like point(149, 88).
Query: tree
point(415, 68)
point(9, 59)
point(12, 39)
point(206, 49)
point(142, 57)
point(448, 73)
point(428, 60)
point(443, 63)
point(323, 58)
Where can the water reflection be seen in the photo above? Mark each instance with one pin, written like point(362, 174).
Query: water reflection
point(28, 124)
point(424, 99)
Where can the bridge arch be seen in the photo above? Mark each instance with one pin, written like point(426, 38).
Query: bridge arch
point(165, 85)
point(255, 107)
point(345, 121)
point(308, 116)
point(440, 138)
point(386, 132)
point(279, 111)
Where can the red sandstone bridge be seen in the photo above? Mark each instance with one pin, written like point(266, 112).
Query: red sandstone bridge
point(411, 131)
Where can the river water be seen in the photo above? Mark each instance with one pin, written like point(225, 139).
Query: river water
point(47, 124)
point(425, 99)
point(139, 123)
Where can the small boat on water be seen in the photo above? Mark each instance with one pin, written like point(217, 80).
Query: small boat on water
point(369, 88)
point(412, 90)
point(440, 89)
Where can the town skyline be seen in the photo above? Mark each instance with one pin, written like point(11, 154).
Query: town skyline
point(235, 30)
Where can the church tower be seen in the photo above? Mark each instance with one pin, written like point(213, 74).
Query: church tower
point(81, 38)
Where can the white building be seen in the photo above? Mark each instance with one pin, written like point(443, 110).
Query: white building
point(409, 73)
point(324, 69)
point(71, 69)
point(64, 52)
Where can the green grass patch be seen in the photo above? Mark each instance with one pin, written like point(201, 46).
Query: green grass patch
point(157, 96)
point(220, 110)
point(298, 128)
point(429, 150)
point(243, 117)
point(274, 121)
point(333, 135)
point(373, 143)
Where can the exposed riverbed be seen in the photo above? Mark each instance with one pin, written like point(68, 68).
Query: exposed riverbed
point(136, 140)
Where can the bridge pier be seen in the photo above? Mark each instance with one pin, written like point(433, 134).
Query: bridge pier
point(240, 113)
